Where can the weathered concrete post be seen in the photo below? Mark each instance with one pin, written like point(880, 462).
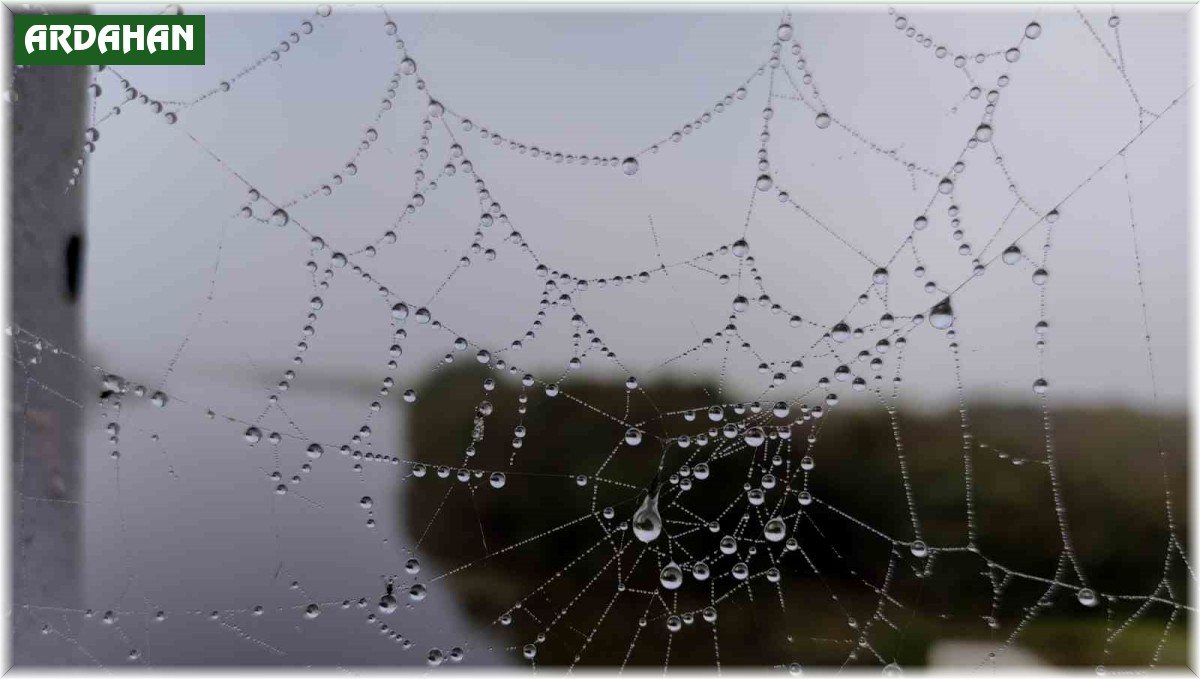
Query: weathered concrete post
point(47, 254)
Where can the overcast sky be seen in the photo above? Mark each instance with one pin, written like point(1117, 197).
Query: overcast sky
point(611, 84)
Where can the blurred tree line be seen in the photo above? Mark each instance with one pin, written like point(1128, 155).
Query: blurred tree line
point(1113, 484)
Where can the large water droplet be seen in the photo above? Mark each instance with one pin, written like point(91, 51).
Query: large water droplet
point(775, 530)
point(647, 523)
point(387, 604)
point(671, 576)
point(629, 166)
point(1087, 597)
point(1012, 255)
point(942, 315)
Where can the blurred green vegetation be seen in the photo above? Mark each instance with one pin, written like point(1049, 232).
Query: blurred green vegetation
point(1112, 484)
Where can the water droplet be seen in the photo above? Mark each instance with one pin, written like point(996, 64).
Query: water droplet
point(253, 435)
point(1012, 255)
point(647, 523)
point(942, 315)
point(919, 549)
point(946, 186)
point(280, 217)
point(823, 120)
point(387, 604)
point(1040, 277)
point(629, 166)
point(497, 480)
point(417, 592)
point(159, 399)
point(434, 657)
point(311, 611)
point(764, 182)
point(1033, 31)
point(754, 437)
point(1114, 21)
point(784, 32)
point(671, 576)
point(984, 132)
point(1087, 597)
point(633, 436)
point(892, 670)
point(1040, 385)
point(775, 530)
point(740, 248)
point(740, 571)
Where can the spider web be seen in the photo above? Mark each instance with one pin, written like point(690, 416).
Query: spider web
point(411, 411)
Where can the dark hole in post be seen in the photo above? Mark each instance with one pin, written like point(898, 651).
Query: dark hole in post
point(74, 255)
